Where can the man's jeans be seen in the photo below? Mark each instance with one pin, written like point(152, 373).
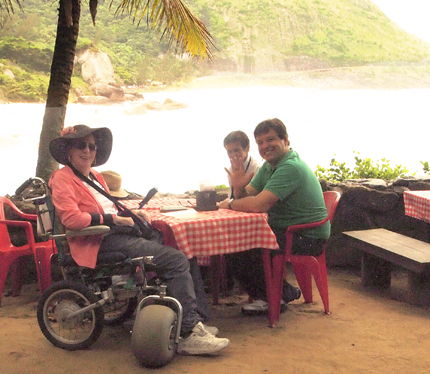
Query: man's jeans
point(248, 266)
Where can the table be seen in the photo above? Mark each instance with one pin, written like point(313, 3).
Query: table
point(212, 233)
point(417, 204)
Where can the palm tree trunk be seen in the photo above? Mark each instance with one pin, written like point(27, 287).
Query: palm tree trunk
point(59, 84)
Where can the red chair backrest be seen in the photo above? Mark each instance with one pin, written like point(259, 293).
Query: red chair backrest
point(331, 199)
point(4, 233)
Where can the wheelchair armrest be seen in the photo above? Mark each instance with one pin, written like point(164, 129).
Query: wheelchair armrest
point(91, 230)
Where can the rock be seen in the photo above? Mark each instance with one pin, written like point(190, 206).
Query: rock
point(152, 105)
point(9, 73)
point(96, 67)
point(419, 186)
point(93, 100)
point(113, 93)
point(135, 94)
point(136, 110)
point(378, 184)
point(367, 204)
point(170, 104)
point(129, 97)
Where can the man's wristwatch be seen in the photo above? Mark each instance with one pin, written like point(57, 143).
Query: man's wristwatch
point(229, 203)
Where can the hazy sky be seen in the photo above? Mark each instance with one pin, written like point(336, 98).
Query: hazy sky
point(411, 15)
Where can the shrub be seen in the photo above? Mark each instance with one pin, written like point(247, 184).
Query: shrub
point(364, 168)
point(426, 166)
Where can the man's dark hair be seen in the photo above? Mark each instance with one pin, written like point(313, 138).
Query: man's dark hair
point(269, 124)
point(237, 137)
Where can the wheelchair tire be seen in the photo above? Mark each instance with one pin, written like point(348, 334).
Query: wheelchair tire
point(153, 336)
point(119, 311)
point(60, 300)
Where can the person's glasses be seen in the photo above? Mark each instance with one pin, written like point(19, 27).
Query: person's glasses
point(82, 145)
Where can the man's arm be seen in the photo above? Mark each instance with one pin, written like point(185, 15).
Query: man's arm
point(254, 203)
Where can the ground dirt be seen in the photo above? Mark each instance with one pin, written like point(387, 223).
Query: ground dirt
point(369, 331)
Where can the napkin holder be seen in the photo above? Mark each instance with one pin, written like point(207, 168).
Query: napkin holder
point(206, 201)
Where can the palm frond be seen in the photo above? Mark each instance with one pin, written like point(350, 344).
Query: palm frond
point(180, 24)
point(8, 5)
point(7, 9)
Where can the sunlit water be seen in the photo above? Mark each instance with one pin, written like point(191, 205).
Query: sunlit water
point(174, 150)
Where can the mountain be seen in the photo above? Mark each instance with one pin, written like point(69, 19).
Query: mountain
point(251, 36)
point(297, 34)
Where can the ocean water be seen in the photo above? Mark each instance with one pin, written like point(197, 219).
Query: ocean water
point(175, 150)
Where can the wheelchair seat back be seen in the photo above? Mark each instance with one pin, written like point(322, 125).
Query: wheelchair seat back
point(49, 224)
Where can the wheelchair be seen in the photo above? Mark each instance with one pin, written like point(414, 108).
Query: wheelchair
point(71, 313)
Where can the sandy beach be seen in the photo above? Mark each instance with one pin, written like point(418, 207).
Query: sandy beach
point(369, 331)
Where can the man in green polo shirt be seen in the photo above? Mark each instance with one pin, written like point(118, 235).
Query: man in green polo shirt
point(290, 193)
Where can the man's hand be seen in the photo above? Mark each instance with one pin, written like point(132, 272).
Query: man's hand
point(223, 204)
point(239, 180)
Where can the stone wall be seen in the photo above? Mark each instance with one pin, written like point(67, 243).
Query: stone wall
point(368, 204)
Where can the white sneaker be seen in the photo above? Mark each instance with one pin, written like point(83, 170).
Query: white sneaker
point(211, 330)
point(201, 342)
point(260, 307)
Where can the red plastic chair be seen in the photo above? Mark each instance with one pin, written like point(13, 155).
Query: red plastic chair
point(9, 254)
point(304, 266)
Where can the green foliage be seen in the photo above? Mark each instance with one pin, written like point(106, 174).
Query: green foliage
point(364, 169)
point(426, 166)
point(250, 33)
point(337, 172)
point(24, 87)
point(34, 55)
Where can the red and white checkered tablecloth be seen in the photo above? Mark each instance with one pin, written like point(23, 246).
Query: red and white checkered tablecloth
point(211, 233)
point(417, 204)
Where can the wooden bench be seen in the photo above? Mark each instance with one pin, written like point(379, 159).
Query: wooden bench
point(382, 248)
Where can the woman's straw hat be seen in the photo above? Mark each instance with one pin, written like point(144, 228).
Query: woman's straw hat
point(113, 181)
point(59, 147)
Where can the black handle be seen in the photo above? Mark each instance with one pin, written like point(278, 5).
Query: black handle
point(148, 197)
point(23, 186)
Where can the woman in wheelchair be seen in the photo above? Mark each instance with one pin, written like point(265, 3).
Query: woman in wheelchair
point(79, 205)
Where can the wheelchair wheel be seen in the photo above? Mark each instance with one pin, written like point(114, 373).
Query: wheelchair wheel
point(57, 303)
point(119, 311)
point(153, 336)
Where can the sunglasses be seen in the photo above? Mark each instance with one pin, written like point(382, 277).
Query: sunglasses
point(83, 145)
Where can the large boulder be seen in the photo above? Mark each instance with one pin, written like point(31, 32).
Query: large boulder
point(112, 92)
point(96, 67)
point(93, 100)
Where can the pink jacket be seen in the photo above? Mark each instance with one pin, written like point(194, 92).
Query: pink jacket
point(73, 202)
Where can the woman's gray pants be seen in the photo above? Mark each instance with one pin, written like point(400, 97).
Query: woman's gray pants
point(170, 264)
